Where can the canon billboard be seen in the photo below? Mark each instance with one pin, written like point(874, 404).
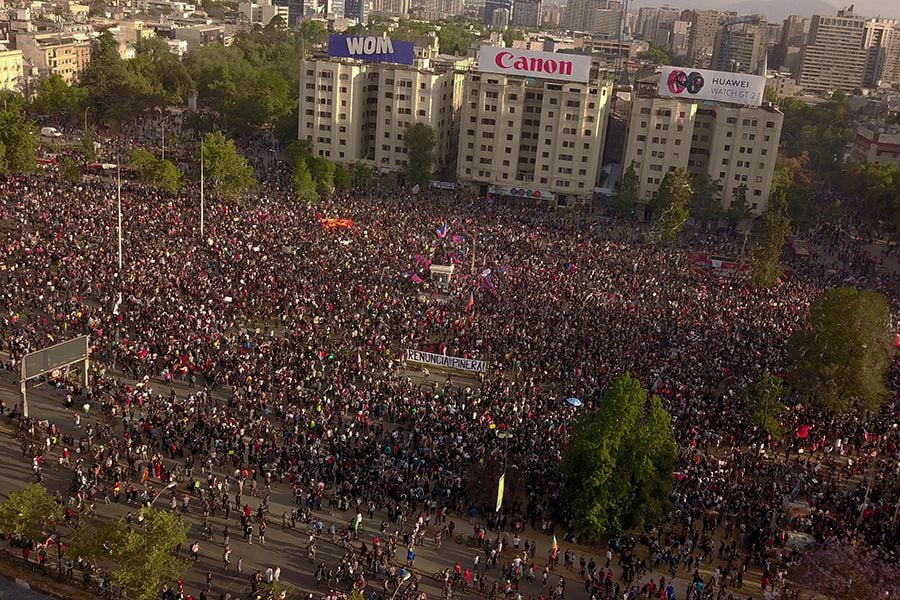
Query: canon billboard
point(717, 86)
point(373, 48)
point(525, 63)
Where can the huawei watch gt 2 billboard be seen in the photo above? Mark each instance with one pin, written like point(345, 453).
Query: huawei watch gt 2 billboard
point(717, 86)
point(374, 48)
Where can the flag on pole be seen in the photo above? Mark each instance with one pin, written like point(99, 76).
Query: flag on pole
point(441, 231)
point(555, 547)
point(471, 303)
point(500, 484)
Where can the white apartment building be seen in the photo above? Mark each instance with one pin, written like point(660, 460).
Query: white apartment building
point(532, 137)
point(735, 145)
point(351, 110)
point(12, 69)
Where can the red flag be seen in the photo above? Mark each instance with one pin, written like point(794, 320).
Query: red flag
point(471, 303)
point(802, 432)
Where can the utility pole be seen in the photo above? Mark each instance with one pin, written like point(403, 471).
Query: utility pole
point(119, 209)
point(163, 127)
point(474, 242)
point(202, 201)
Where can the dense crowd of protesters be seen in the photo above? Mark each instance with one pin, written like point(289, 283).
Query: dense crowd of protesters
point(290, 337)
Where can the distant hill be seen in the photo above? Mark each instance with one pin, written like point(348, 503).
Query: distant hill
point(777, 10)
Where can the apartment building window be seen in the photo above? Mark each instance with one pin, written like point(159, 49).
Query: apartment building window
point(543, 180)
point(756, 193)
point(565, 157)
point(655, 140)
point(677, 142)
point(640, 151)
point(488, 122)
point(642, 138)
point(553, 101)
point(389, 81)
point(725, 161)
point(770, 124)
point(721, 174)
point(309, 73)
point(421, 113)
point(764, 151)
point(727, 148)
point(386, 147)
point(470, 132)
point(512, 110)
point(731, 120)
point(469, 158)
point(643, 124)
point(645, 111)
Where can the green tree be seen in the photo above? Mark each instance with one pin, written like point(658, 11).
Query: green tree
point(670, 205)
point(227, 170)
point(878, 188)
point(115, 91)
point(143, 559)
point(657, 55)
point(341, 177)
point(617, 466)
point(420, 143)
point(363, 176)
point(765, 260)
point(30, 512)
point(304, 185)
point(627, 192)
point(55, 97)
point(322, 171)
point(161, 174)
point(764, 401)
point(704, 205)
point(69, 169)
point(770, 95)
point(740, 207)
point(512, 35)
point(455, 38)
point(841, 356)
point(17, 139)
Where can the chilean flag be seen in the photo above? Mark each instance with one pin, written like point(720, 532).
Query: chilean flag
point(441, 231)
point(471, 303)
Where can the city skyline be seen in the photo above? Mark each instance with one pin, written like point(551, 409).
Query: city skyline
point(777, 11)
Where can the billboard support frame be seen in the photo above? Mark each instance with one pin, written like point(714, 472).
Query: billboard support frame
point(25, 377)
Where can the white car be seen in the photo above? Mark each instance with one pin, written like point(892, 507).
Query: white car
point(51, 132)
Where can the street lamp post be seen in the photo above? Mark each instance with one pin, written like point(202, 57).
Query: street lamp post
point(202, 202)
point(156, 497)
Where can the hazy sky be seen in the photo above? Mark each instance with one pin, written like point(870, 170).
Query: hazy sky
point(869, 8)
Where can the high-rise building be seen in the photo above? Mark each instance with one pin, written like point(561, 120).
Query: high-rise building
point(705, 24)
point(845, 52)
point(490, 6)
point(595, 16)
point(892, 66)
point(395, 8)
point(741, 48)
point(532, 138)
point(353, 111)
point(527, 13)
point(435, 10)
point(787, 51)
point(734, 145)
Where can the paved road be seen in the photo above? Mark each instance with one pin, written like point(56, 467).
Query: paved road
point(286, 548)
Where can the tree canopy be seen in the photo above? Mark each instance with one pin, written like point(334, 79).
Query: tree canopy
point(420, 142)
point(627, 192)
point(841, 356)
point(143, 559)
point(162, 174)
point(704, 205)
point(878, 189)
point(30, 512)
point(670, 205)
point(227, 170)
point(17, 139)
point(764, 402)
point(617, 465)
point(765, 260)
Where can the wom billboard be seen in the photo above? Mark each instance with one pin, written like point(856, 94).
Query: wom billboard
point(525, 63)
point(371, 47)
point(717, 86)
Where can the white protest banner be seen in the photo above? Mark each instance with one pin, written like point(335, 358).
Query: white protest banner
point(442, 361)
